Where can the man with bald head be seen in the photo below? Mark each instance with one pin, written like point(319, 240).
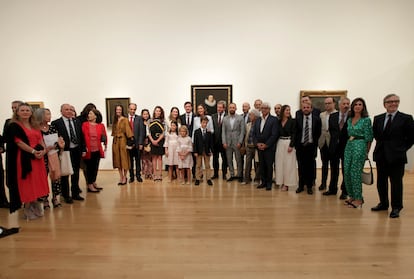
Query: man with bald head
point(69, 128)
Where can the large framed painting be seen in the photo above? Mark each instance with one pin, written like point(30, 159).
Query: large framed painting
point(209, 95)
point(36, 105)
point(318, 97)
point(111, 103)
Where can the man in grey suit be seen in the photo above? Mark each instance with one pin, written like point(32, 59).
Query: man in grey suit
point(233, 130)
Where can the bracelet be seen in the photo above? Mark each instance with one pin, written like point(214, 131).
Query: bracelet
point(33, 151)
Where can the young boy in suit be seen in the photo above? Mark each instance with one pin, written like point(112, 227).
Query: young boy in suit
point(203, 148)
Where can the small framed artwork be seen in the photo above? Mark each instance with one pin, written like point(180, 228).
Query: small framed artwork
point(36, 105)
point(318, 97)
point(111, 103)
point(209, 95)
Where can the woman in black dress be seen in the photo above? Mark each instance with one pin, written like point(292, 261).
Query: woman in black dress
point(156, 136)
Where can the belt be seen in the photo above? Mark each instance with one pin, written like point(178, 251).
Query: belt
point(284, 138)
point(351, 138)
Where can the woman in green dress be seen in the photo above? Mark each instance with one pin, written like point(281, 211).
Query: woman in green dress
point(356, 151)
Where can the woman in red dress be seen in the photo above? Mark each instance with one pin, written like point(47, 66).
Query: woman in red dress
point(29, 171)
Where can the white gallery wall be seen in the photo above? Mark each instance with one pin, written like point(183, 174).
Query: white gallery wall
point(81, 51)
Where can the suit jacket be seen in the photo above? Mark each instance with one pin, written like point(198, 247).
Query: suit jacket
point(339, 137)
point(183, 118)
point(217, 128)
point(233, 136)
point(392, 146)
point(62, 131)
point(101, 135)
point(270, 133)
point(201, 144)
point(139, 130)
point(316, 131)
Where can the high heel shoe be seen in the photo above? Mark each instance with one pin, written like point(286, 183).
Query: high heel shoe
point(356, 204)
point(56, 203)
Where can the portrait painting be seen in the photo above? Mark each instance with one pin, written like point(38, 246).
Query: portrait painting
point(318, 97)
point(209, 95)
point(36, 105)
point(111, 103)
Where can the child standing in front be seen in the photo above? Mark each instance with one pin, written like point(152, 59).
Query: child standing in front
point(170, 145)
point(185, 160)
point(203, 148)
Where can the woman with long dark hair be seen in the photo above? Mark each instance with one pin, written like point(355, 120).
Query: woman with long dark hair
point(121, 132)
point(356, 151)
point(156, 135)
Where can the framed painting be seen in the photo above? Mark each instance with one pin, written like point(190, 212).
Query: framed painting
point(36, 105)
point(318, 97)
point(209, 95)
point(111, 103)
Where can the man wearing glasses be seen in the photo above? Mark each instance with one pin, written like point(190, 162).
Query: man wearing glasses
point(394, 133)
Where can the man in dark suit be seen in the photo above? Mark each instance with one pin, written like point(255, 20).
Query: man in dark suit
point(339, 136)
point(218, 149)
point(187, 119)
point(265, 135)
point(137, 127)
point(308, 131)
point(394, 133)
point(69, 128)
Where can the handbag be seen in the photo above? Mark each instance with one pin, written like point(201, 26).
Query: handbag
point(368, 176)
point(147, 148)
point(65, 164)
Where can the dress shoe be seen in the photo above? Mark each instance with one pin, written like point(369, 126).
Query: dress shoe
point(322, 187)
point(209, 182)
point(268, 188)
point(78, 198)
point(379, 207)
point(131, 180)
point(214, 177)
point(310, 191)
point(261, 186)
point(98, 188)
point(68, 200)
point(299, 190)
point(240, 179)
point(139, 179)
point(343, 196)
point(231, 178)
point(329, 193)
point(5, 232)
point(395, 213)
point(197, 182)
point(93, 191)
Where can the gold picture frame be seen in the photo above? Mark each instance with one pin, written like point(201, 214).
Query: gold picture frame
point(111, 103)
point(36, 105)
point(318, 97)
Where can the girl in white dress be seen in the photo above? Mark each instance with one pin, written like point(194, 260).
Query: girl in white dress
point(170, 145)
point(185, 160)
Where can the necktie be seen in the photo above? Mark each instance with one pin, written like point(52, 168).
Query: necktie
point(219, 120)
point(131, 122)
point(342, 122)
point(388, 125)
point(306, 135)
point(73, 138)
point(188, 119)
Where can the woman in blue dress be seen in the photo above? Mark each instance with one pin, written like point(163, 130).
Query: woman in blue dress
point(356, 151)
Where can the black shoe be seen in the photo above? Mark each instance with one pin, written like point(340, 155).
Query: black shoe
point(5, 232)
point(93, 191)
point(329, 193)
point(209, 182)
point(395, 213)
point(78, 198)
point(380, 207)
point(131, 180)
point(322, 187)
point(231, 178)
point(240, 179)
point(310, 191)
point(343, 196)
point(139, 179)
point(268, 188)
point(261, 186)
point(98, 188)
point(299, 190)
point(214, 177)
point(68, 200)
point(197, 182)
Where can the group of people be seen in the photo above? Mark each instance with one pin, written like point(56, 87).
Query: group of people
point(281, 149)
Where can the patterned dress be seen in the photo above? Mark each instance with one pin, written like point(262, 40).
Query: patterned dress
point(360, 135)
point(56, 184)
point(185, 144)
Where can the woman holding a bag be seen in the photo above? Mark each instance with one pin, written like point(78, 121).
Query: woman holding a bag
point(50, 136)
point(121, 133)
point(94, 135)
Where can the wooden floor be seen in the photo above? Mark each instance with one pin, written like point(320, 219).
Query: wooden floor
point(167, 230)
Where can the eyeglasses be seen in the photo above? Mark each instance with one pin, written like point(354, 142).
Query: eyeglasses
point(392, 101)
